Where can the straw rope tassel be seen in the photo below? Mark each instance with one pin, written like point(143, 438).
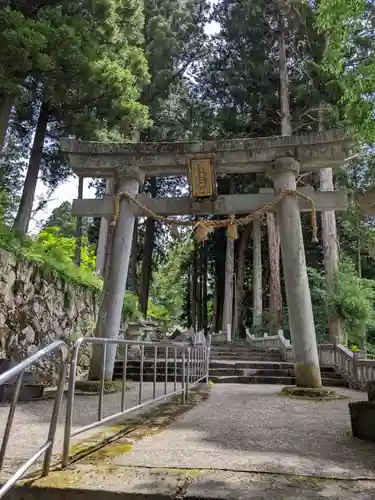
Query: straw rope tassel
point(232, 231)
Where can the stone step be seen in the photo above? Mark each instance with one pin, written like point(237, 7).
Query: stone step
point(244, 353)
point(327, 369)
point(281, 380)
point(332, 375)
point(28, 392)
point(263, 373)
point(149, 377)
point(256, 365)
point(227, 371)
point(242, 379)
point(246, 358)
point(334, 382)
point(274, 372)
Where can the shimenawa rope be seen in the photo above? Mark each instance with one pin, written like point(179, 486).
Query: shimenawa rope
point(203, 227)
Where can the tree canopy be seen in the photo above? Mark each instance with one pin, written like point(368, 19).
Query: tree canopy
point(152, 69)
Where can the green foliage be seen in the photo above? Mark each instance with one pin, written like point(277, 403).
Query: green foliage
point(353, 301)
point(168, 287)
point(130, 306)
point(319, 301)
point(69, 69)
point(160, 313)
point(54, 252)
point(349, 55)
point(87, 56)
point(52, 243)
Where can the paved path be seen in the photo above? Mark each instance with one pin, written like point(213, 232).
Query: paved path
point(251, 428)
point(94, 482)
point(31, 422)
point(244, 443)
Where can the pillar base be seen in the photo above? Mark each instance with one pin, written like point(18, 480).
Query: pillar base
point(307, 375)
point(310, 393)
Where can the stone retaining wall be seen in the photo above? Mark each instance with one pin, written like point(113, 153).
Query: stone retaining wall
point(38, 306)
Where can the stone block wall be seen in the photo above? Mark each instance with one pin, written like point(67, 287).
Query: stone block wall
point(38, 306)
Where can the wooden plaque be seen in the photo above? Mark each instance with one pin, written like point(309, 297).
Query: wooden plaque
point(201, 177)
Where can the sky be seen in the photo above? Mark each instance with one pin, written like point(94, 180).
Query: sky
point(69, 190)
point(65, 192)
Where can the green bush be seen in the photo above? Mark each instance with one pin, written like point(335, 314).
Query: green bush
point(130, 306)
point(159, 313)
point(353, 301)
point(54, 252)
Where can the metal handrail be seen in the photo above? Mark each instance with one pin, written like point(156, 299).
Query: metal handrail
point(195, 366)
point(46, 449)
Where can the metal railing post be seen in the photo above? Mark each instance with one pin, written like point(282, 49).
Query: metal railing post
point(12, 411)
point(55, 416)
point(70, 401)
point(141, 370)
point(46, 448)
point(166, 371)
point(102, 382)
point(155, 371)
point(208, 354)
point(124, 375)
point(183, 379)
point(188, 372)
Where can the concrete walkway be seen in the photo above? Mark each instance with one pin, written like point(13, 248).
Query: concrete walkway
point(251, 428)
point(245, 442)
point(32, 419)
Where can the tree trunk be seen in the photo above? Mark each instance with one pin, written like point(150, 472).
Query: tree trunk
point(229, 281)
point(286, 122)
point(276, 304)
point(146, 272)
point(228, 297)
point(132, 284)
point(194, 291)
point(330, 246)
point(204, 277)
point(25, 208)
point(219, 249)
point(6, 103)
point(214, 321)
point(301, 320)
point(199, 287)
point(189, 319)
point(77, 258)
point(240, 280)
point(276, 300)
point(257, 275)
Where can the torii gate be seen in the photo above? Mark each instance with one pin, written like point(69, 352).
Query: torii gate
point(281, 158)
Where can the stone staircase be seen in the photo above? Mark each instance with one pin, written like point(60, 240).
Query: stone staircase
point(234, 363)
point(243, 365)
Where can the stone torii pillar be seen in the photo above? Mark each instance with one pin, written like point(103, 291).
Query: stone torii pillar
point(110, 310)
point(301, 319)
point(103, 233)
